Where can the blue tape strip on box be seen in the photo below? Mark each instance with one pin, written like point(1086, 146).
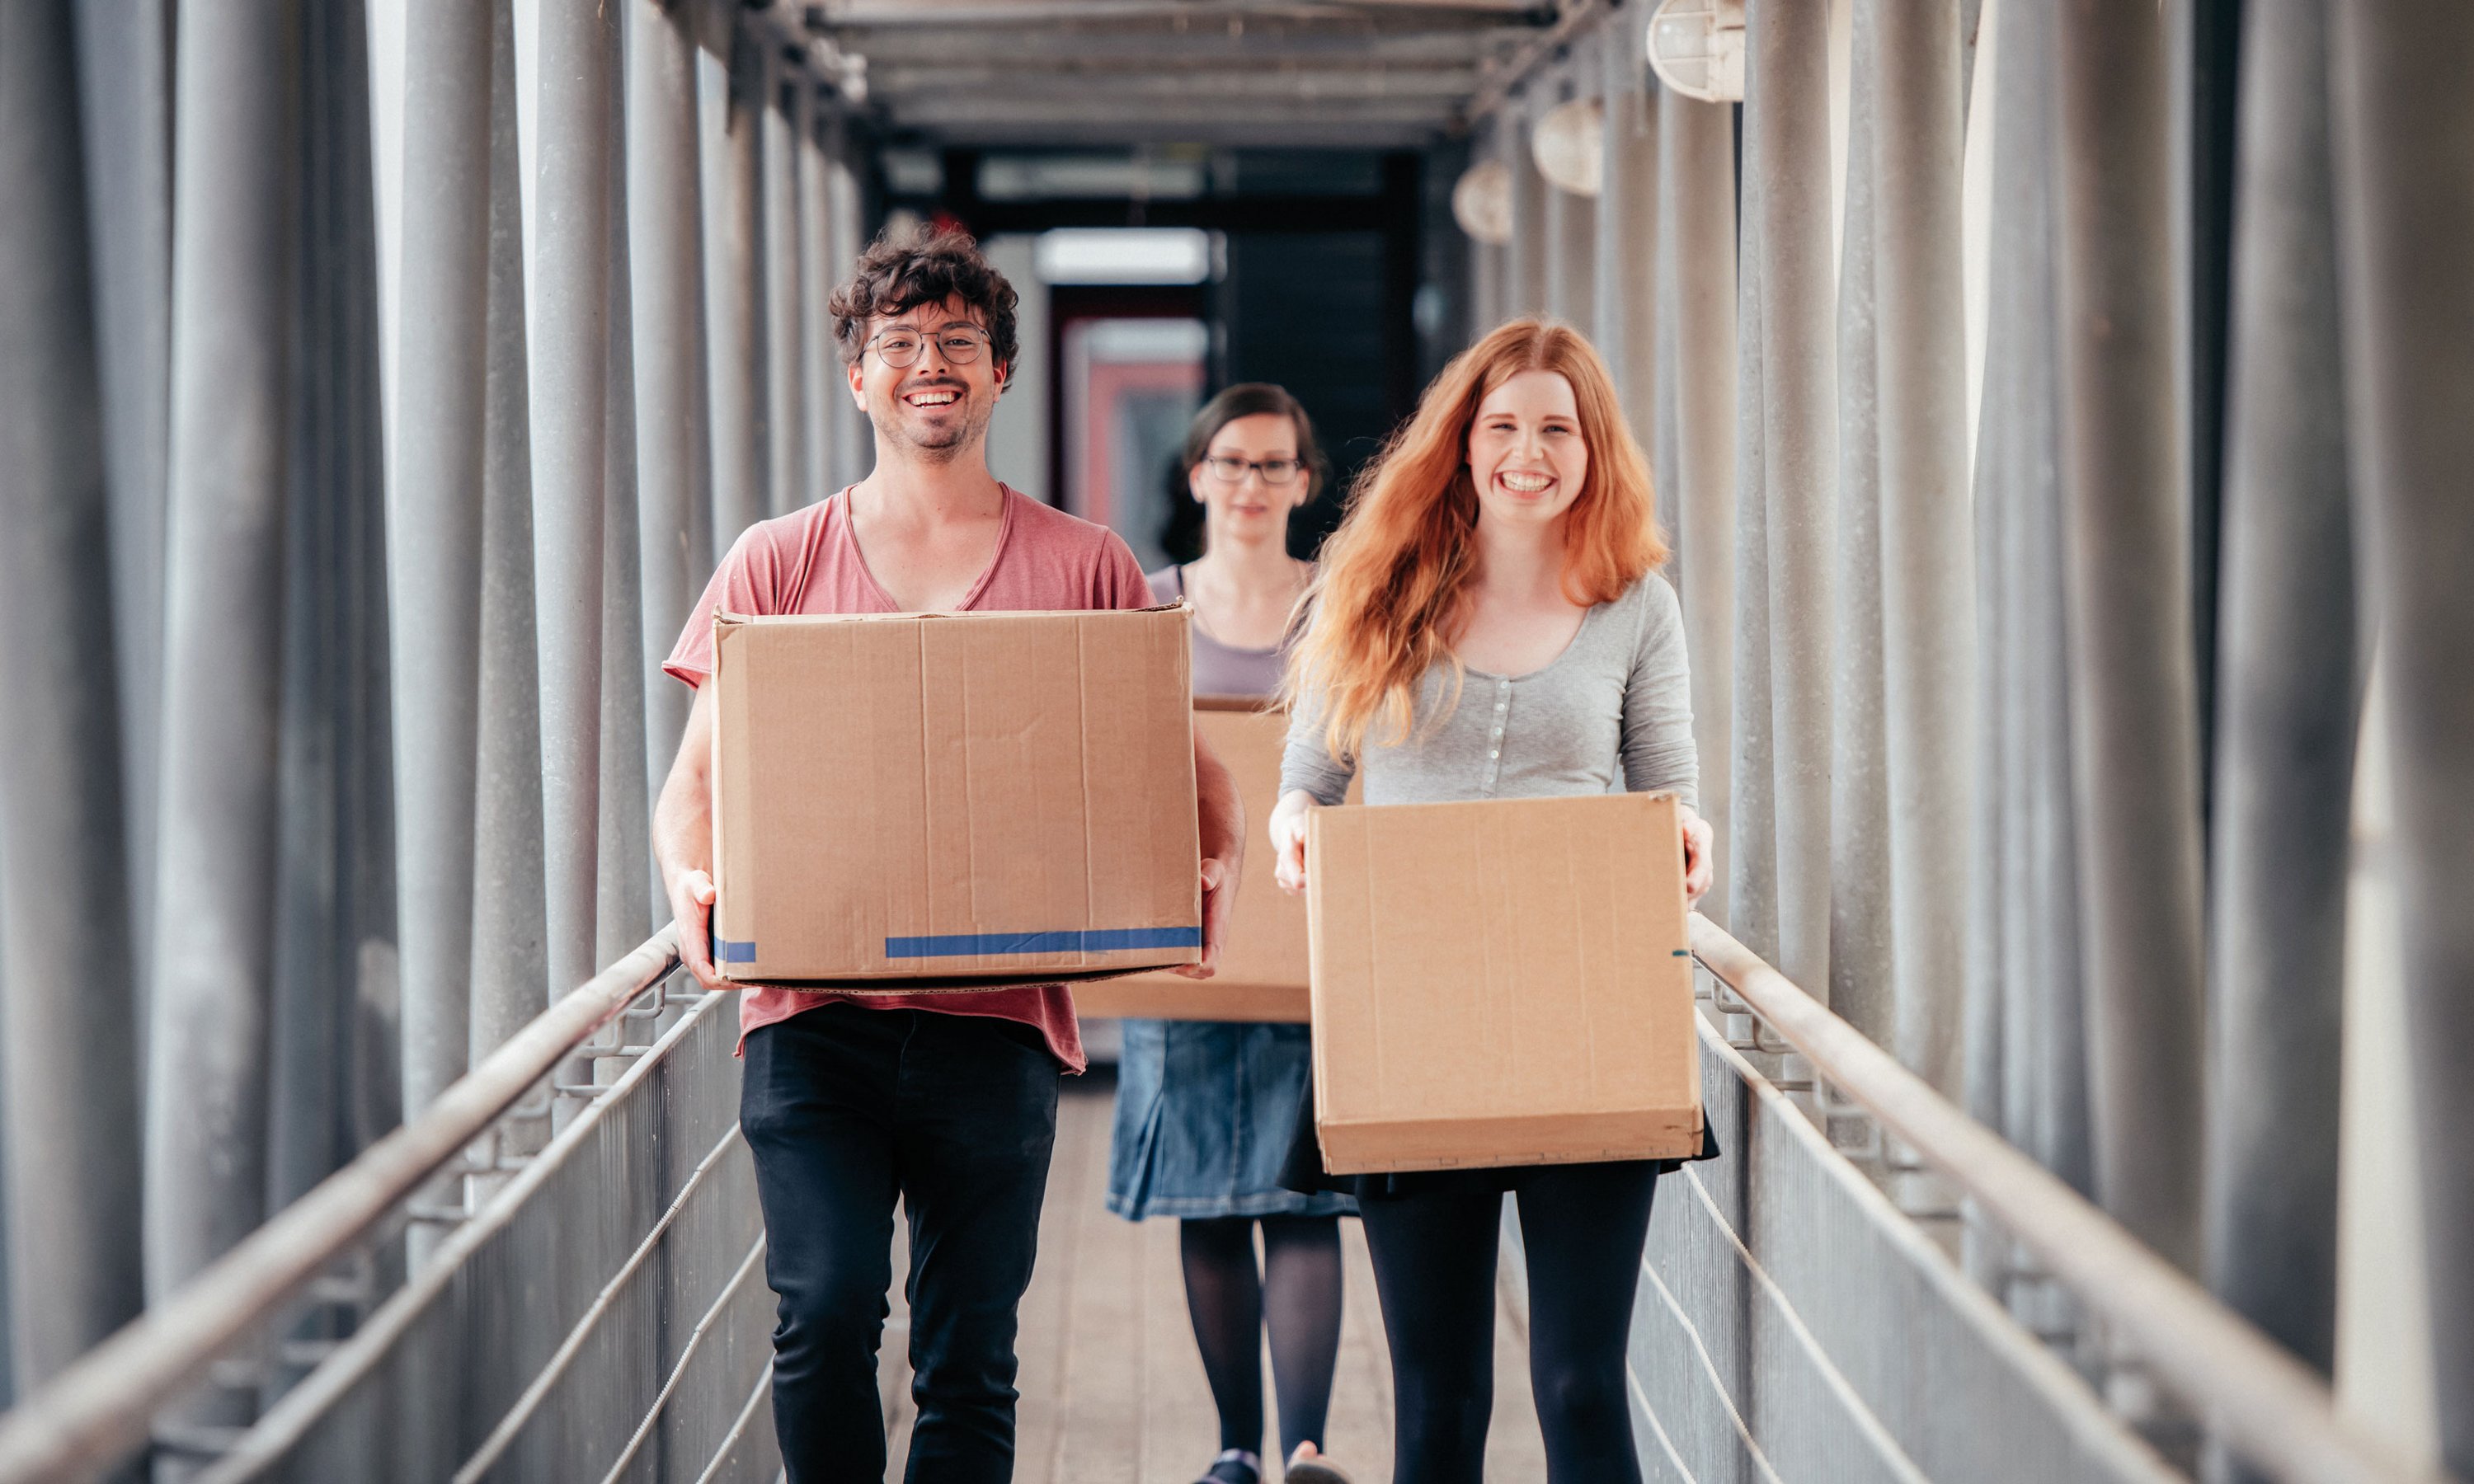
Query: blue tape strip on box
point(1071, 940)
point(983, 944)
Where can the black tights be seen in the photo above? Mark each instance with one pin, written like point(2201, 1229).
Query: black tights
point(1295, 1294)
point(1582, 1226)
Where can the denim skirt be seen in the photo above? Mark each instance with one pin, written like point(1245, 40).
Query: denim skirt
point(1206, 1111)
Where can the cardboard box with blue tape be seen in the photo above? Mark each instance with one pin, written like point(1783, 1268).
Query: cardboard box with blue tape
point(910, 801)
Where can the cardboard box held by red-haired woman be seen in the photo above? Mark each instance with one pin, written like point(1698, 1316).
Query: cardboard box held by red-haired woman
point(1501, 982)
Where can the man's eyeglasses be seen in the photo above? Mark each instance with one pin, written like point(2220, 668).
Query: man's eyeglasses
point(960, 344)
point(1232, 471)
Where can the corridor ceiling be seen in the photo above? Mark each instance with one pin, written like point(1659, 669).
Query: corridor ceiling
point(1361, 73)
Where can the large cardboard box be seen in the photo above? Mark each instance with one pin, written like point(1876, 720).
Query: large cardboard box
point(1262, 974)
point(1504, 982)
point(953, 801)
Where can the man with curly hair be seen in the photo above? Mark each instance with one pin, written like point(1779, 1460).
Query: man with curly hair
point(947, 1102)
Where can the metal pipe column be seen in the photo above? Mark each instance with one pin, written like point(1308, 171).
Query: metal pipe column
point(124, 62)
point(569, 285)
point(1786, 145)
point(1910, 53)
point(1525, 256)
point(1571, 258)
point(1696, 183)
point(70, 1081)
point(854, 437)
point(2405, 195)
point(2289, 694)
point(2049, 1029)
point(819, 365)
point(666, 263)
point(731, 120)
point(1860, 794)
point(2132, 688)
point(510, 973)
point(784, 306)
point(1627, 291)
point(434, 527)
point(236, 152)
point(626, 878)
point(1750, 854)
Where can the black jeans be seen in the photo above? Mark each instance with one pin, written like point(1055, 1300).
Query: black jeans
point(845, 1107)
point(1583, 1226)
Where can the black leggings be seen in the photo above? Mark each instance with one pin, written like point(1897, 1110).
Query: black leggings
point(1296, 1296)
point(1582, 1226)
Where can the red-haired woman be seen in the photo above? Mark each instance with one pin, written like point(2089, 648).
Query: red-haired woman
point(1489, 623)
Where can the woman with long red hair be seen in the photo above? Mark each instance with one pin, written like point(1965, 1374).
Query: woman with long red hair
point(1488, 622)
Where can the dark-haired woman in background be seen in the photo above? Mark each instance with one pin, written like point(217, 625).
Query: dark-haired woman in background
point(1206, 1109)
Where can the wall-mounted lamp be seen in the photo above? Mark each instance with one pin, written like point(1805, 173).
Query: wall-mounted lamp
point(1481, 202)
point(1697, 48)
point(1569, 141)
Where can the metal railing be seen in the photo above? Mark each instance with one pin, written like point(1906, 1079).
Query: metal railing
point(2154, 1351)
point(229, 1325)
point(598, 1310)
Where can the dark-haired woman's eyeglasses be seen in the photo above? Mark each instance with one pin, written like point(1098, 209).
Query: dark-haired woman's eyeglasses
point(1275, 472)
point(960, 344)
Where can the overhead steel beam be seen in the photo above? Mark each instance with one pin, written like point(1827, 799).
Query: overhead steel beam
point(1254, 84)
point(1216, 133)
point(1166, 114)
point(1511, 71)
point(1121, 44)
point(1205, 16)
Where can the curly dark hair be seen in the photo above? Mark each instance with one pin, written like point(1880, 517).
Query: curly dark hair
point(927, 266)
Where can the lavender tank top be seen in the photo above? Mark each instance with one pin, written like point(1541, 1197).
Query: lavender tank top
point(1222, 669)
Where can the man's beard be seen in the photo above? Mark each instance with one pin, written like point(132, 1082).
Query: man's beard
point(940, 446)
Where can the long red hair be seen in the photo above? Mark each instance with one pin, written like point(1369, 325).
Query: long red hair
point(1394, 582)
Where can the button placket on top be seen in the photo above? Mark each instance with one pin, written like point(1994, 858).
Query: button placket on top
point(1494, 739)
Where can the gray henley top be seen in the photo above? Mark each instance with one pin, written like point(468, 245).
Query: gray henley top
point(1616, 707)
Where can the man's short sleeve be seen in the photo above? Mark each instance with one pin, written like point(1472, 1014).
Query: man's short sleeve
point(743, 584)
point(1120, 579)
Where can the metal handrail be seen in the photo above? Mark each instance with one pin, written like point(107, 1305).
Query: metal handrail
point(2258, 1400)
point(97, 1411)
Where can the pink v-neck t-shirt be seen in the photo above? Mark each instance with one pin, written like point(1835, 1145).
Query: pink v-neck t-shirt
point(809, 562)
